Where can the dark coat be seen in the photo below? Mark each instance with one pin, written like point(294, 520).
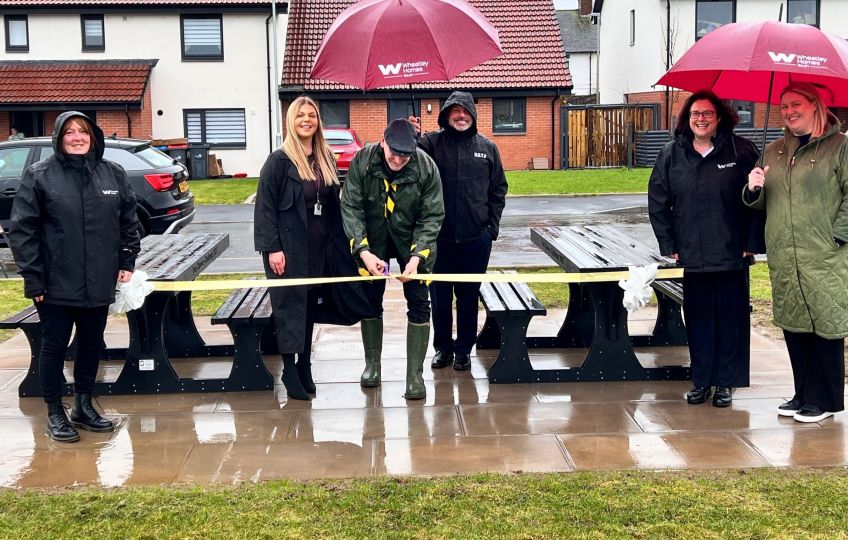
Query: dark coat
point(695, 207)
point(806, 200)
point(74, 225)
point(473, 180)
point(280, 224)
point(418, 210)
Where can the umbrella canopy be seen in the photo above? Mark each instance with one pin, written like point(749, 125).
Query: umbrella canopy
point(737, 61)
point(378, 43)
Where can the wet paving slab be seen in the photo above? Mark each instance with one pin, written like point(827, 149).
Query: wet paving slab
point(463, 425)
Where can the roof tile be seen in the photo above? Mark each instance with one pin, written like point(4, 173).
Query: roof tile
point(117, 81)
point(528, 30)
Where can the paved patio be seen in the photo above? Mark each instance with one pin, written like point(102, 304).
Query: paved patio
point(465, 425)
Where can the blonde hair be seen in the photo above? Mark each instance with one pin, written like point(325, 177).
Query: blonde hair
point(320, 150)
point(811, 94)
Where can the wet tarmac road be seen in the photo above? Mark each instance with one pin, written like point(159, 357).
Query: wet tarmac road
point(512, 249)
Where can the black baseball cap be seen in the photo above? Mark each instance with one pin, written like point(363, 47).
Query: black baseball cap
point(401, 138)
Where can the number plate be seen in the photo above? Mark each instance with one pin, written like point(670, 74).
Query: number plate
point(183, 186)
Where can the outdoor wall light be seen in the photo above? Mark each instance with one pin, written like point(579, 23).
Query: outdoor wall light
point(429, 108)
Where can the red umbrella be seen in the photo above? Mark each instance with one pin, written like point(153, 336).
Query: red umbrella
point(743, 60)
point(378, 43)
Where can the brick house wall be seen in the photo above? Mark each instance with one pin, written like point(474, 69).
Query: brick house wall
point(678, 97)
point(368, 118)
point(4, 126)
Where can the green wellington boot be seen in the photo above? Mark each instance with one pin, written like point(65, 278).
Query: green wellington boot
point(372, 341)
point(417, 338)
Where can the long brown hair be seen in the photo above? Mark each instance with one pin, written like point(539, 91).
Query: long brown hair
point(320, 149)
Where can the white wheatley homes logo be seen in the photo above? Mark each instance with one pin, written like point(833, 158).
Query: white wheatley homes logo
point(799, 60)
point(404, 69)
point(110, 191)
point(726, 165)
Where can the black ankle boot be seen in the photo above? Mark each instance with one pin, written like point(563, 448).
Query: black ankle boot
point(85, 416)
point(304, 373)
point(291, 380)
point(58, 426)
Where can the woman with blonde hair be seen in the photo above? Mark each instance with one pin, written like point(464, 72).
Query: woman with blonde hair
point(804, 189)
point(298, 230)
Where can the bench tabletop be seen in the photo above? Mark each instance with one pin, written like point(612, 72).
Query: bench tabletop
point(180, 257)
point(593, 248)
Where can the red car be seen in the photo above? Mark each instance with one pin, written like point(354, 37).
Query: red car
point(345, 144)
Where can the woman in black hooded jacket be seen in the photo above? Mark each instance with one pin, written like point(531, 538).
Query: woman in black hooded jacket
point(699, 219)
point(73, 232)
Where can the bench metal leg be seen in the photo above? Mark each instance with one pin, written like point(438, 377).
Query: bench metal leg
point(669, 330)
point(31, 386)
point(249, 371)
point(490, 335)
point(513, 364)
point(182, 340)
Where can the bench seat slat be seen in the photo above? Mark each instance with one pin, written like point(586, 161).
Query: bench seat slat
point(20, 318)
point(249, 304)
point(229, 306)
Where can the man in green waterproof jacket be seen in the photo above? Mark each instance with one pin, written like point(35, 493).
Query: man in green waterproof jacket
point(392, 207)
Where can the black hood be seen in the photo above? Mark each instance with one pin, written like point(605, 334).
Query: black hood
point(465, 100)
point(96, 135)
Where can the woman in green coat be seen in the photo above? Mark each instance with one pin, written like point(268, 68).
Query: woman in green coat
point(804, 189)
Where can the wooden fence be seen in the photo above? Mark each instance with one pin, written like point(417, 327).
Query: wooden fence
point(603, 135)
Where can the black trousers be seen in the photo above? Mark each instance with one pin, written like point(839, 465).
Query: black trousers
point(718, 325)
point(56, 325)
point(818, 367)
point(458, 258)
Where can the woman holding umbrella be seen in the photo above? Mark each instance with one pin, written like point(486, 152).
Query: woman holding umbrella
point(700, 221)
point(804, 189)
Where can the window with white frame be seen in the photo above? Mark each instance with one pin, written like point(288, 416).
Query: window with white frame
point(17, 33)
point(710, 14)
point(632, 27)
point(216, 127)
point(802, 11)
point(508, 115)
point(202, 37)
point(745, 110)
point(93, 37)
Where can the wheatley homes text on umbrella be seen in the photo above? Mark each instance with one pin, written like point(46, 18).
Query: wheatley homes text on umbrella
point(408, 69)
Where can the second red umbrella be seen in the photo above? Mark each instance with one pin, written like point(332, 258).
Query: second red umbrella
point(741, 60)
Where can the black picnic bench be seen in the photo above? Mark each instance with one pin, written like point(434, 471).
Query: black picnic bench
point(161, 330)
point(595, 318)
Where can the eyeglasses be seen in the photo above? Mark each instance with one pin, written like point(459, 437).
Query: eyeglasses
point(706, 114)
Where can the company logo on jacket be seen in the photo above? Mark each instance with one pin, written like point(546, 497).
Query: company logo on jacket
point(110, 191)
point(726, 165)
point(481, 155)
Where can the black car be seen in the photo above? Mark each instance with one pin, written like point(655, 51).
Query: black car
point(160, 183)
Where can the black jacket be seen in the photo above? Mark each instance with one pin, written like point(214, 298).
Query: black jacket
point(473, 181)
point(695, 205)
point(74, 225)
point(280, 224)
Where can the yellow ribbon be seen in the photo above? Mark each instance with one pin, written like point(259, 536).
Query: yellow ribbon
point(536, 277)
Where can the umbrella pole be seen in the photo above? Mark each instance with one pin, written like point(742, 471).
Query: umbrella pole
point(412, 99)
point(765, 124)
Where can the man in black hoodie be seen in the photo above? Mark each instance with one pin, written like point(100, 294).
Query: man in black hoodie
point(474, 188)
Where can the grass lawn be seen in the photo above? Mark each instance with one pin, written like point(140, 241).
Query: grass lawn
point(11, 301)
point(588, 181)
point(762, 503)
point(224, 191)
